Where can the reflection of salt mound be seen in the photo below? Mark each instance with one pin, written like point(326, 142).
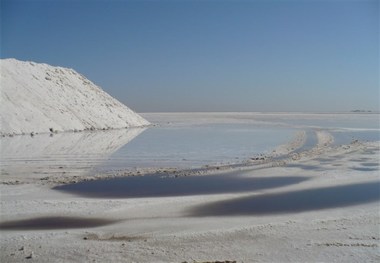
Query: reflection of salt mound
point(38, 97)
point(96, 144)
point(61, 156)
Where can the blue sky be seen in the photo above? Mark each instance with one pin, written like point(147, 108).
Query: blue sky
point(208, 55)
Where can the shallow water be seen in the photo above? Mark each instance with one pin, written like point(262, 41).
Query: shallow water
point(156, 147)
point(159, 186)
point(71, 152)
point(194, 146)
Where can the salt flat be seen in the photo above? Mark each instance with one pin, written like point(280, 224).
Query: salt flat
point(187, 228)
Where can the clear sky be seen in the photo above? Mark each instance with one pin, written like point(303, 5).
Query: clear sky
point(273, 55)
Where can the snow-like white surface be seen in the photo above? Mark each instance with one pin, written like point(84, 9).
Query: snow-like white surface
point(36, 97)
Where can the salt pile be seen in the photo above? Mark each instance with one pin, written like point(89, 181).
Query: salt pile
point(39, 98)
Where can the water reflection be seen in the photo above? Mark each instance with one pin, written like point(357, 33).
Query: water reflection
point(291, 202)
point(82, 150)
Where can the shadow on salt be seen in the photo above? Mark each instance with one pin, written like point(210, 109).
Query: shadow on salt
point(293, 202)
point(58, 222)
point(365, 169)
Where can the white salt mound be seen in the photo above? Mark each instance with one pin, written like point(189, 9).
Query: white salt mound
point(39, 98)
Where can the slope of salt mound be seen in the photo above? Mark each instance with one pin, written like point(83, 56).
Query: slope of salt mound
point(38, 97)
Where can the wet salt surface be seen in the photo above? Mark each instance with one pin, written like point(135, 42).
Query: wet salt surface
point(59, 222)
point(334, 121)
point(158, 186)
point(293, 202)
point(368, 167)
point(347, 136)
point(310, 142)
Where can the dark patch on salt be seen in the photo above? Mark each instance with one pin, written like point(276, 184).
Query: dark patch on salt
point(365, 169)
point(158, 186)
point(293, 202)
point(57, 222)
